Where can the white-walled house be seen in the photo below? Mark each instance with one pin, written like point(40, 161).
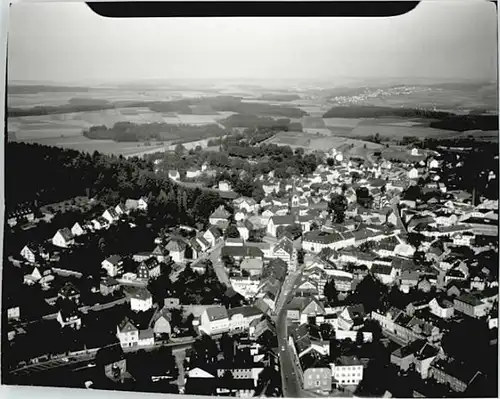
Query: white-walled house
point(214, 320)
point(77, 230)
point(63, 238)
point(443, 309)
point(347, 370)
point(413, 173)
point(141, 300)
point(113, 265)
point(176, 250)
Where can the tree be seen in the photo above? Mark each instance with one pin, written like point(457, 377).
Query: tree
point(363, 197)
point(359, 338)
point(232, 232)
point(371, 293)
point(330, 162)
point(300, 256)
point(338, 206)
point(330, 291)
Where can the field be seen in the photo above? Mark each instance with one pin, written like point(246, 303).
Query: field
point(312, 142)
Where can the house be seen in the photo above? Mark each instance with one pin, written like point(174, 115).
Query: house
point(247, 204)
point(33, 252)
point(113, 265)
point(140, 298)
point(174, 175)
point(176, 249)
point(315, 241)
point(285, 250)
point(213, 236)
point(110, 215)
point(457, 376)
point(63, 238)
point(418, 353)
point(148, 269)
point(303, 309)
point(241, 317)
point(108, 286)
point(77, 230)
point(113, 361)
point(99, 223)
point(68, 315)
point(191, 173)
point(245, 286)
point(219, 217)
point(277, 221)
point(347, 370)
point(441, 308)
point(13, 313)
point(214, 320)
point(68, 291)
point(162, 323)
point(351, 318)
point(252, 266)
point(386, 274)
point(472, 305)
point(242, 252)
point(127, 333)
point(317, 376)
point(244, 231)
point(224, 185)
point(121, 209)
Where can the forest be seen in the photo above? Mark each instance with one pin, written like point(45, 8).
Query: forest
point(128, 131)
point(186, 106)
point(439, 119)
point(56, 174)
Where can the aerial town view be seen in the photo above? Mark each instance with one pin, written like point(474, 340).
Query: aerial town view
point(229, 214)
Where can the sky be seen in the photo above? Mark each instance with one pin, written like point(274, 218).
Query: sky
point(68, 43)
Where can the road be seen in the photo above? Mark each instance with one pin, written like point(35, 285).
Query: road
point(214, 255)
point(291, 385)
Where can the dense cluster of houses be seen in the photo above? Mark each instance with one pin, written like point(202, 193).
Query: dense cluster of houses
point(296, 229)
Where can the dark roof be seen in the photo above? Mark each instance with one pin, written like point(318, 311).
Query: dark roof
point(283, 220)
point(220, 213)
point(381, 269)
point(286, 244)
point(114, 259)
point(175, 246)
point(242, 251)
point(151, 263)
point(469, 299)
point(246, 311)
point(66, 234)
point(216, 313)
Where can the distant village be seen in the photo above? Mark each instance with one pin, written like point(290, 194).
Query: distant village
point(322, 279)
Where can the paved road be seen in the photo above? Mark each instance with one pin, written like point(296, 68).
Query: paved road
point(214, 255)
point(291, 385)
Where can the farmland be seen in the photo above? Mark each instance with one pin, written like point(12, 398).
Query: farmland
point(311, 142)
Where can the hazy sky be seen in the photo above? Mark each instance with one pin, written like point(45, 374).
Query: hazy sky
point(68, 42)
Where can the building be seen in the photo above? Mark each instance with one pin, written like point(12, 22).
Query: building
point(347, 370)
point(176, 249)
point(220, 215)
point(456, 375)
point(214, 320)
point(472, 305)
point(110, 215)
point(316, 241)
point(113, 265)
point(279, 221)
point(149, 269)
point(77, 230)
point(68, 315)
point(241, 317)
point(127, 333)
point(141, 299)
point(285, 250)
point(63, 238)
point(108, 286)
point(441, 308)
point(213, 236)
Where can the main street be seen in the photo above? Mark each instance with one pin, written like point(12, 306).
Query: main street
point(291, 385)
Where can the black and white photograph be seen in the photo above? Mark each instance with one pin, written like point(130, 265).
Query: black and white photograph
point(252, 205)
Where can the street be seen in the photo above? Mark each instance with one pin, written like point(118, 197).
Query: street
point(291, 385)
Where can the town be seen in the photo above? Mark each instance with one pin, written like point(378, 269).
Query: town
point(325, 275)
